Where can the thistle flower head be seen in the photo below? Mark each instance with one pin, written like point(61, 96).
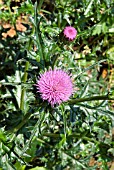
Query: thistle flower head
point(55, 86)
point(70, 33)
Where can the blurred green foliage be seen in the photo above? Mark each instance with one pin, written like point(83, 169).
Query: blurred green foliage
point(32, 134)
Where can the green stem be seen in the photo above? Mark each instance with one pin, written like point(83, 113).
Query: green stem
point(40, 5)
point(43, 142)
point(54, 61)
point(73, 135)
point(14, 83)
point(53, 135)
point(64, 119)
point(23, 88)
point(90, 139)
point(37, 31)
point(105, 97)
point(40, 46)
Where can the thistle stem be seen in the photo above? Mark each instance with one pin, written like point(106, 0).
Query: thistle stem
point(40, 5)
point(23, 88)
point(105, 97)
point(37, 31)
point(54, 61)
point(73, 135)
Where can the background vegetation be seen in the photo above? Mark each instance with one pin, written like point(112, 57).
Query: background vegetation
point(78, 134)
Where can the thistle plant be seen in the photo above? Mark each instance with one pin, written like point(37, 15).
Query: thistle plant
point(55, 113)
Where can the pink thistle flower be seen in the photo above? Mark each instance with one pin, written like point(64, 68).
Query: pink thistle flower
point(55, 86)
point(70, 33)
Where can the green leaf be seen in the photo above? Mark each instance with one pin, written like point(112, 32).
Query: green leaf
point(2, 136)
point(38, 168)
point(89, 7)
point(110, 53)
point(104, 27)
point(19, 166)
point(111, 30)
point(97, 29)
point(111, 150)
